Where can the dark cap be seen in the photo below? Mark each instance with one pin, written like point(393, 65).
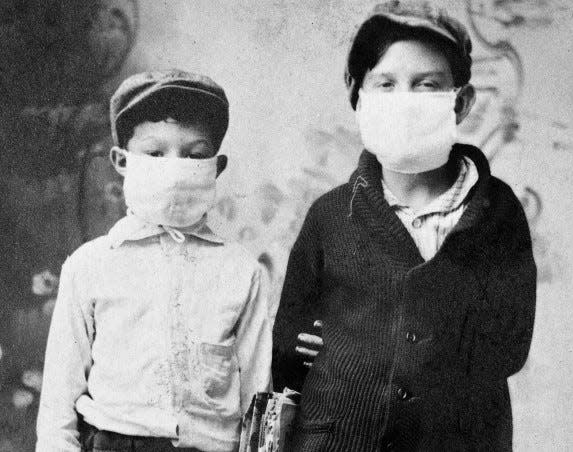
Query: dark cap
point(195, 94)
point(408, 16)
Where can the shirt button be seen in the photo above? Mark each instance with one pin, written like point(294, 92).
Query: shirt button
point(403, 394)
point(417, 223)
point(411, 337)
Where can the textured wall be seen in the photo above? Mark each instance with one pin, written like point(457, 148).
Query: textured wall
point(292, 137)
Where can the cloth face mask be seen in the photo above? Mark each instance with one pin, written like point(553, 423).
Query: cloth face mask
point(173, 192)
point(408, 132)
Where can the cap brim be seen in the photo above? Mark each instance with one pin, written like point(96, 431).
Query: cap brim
point(418, 22)
point(199, 100)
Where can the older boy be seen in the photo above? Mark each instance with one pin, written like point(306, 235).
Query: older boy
point(420, 267)
point(159, 337)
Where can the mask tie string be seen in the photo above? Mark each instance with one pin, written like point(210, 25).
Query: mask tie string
point(175, 233)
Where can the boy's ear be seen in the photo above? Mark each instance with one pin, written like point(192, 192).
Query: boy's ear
point(118, 159)
point(464, 102)
point(221, 164)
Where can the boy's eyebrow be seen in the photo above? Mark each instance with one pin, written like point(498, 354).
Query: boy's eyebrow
point(430, 73)
point(417, 74)
point(157, 141)
point(148, 138)
point(197, 141)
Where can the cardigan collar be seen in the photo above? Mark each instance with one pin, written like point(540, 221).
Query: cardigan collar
point(369, 204)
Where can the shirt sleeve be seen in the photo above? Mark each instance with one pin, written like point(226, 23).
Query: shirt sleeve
point(67, 365)
point(254, 343)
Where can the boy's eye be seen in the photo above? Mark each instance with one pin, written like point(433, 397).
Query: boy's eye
point(428, 85)
point(384, 85)
point(200, 150)
point(155, 153)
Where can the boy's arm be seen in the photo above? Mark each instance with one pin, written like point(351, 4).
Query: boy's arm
point(504, 322)
point(67, 365)
point(296, 314)
point(253, 344)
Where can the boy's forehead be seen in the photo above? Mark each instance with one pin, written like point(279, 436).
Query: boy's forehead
point(413, 56)
point(170, 128)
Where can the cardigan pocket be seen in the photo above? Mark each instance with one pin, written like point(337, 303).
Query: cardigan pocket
point(315, 426)
point(467, 340)
point(486, 409)
point(219, 376)
point(311, 434)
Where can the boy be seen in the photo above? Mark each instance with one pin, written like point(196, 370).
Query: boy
point(159, 337)
point(420, 267)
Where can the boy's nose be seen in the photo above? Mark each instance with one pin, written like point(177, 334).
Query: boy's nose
point(403, 88)
point(174, 153)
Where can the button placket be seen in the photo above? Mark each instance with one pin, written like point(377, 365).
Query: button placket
point(183, 360)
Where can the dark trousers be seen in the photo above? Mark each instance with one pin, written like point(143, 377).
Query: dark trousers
point(95, 440)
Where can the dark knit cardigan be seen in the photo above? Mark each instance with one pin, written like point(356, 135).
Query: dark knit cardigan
point(416, 354)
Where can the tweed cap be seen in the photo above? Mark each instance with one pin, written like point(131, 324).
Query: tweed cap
point(194, 94)
point(405, 15)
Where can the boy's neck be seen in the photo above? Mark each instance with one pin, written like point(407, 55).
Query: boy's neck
point(418, 190)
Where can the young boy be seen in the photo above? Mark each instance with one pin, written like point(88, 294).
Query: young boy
point(420, 267)
point(159, 336)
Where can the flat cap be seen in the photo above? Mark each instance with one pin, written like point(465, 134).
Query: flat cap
point(406, 14)
point(194, 93)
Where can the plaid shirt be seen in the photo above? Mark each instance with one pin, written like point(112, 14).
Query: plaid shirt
point(430, 225)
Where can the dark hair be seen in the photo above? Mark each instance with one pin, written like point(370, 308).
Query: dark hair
point(377, 36)
point(163, 105)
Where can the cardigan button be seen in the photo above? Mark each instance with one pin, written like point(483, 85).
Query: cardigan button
point(417, 223)
point(411, 337)
point(403, 394)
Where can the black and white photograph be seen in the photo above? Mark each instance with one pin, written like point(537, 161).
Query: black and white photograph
point(286, 225)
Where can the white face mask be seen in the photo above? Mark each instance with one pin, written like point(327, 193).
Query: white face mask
point(173, 192)
point(408, 132)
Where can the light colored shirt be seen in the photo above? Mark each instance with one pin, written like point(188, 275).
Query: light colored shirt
point(430, 225)
point(155, 336)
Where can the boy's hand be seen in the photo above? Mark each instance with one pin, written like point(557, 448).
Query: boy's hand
point(311, 344)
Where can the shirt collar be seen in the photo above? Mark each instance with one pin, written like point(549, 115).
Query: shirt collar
point(451, 198)
point(133, 228)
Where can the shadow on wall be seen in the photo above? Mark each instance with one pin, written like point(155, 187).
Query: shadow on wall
point(55, 57)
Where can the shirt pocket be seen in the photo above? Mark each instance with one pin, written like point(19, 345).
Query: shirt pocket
point(220, 377)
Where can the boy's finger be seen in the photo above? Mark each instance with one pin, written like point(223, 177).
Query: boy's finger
point(306, 352)
point(310, 339)
point(307, 364)
point(317, 324)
